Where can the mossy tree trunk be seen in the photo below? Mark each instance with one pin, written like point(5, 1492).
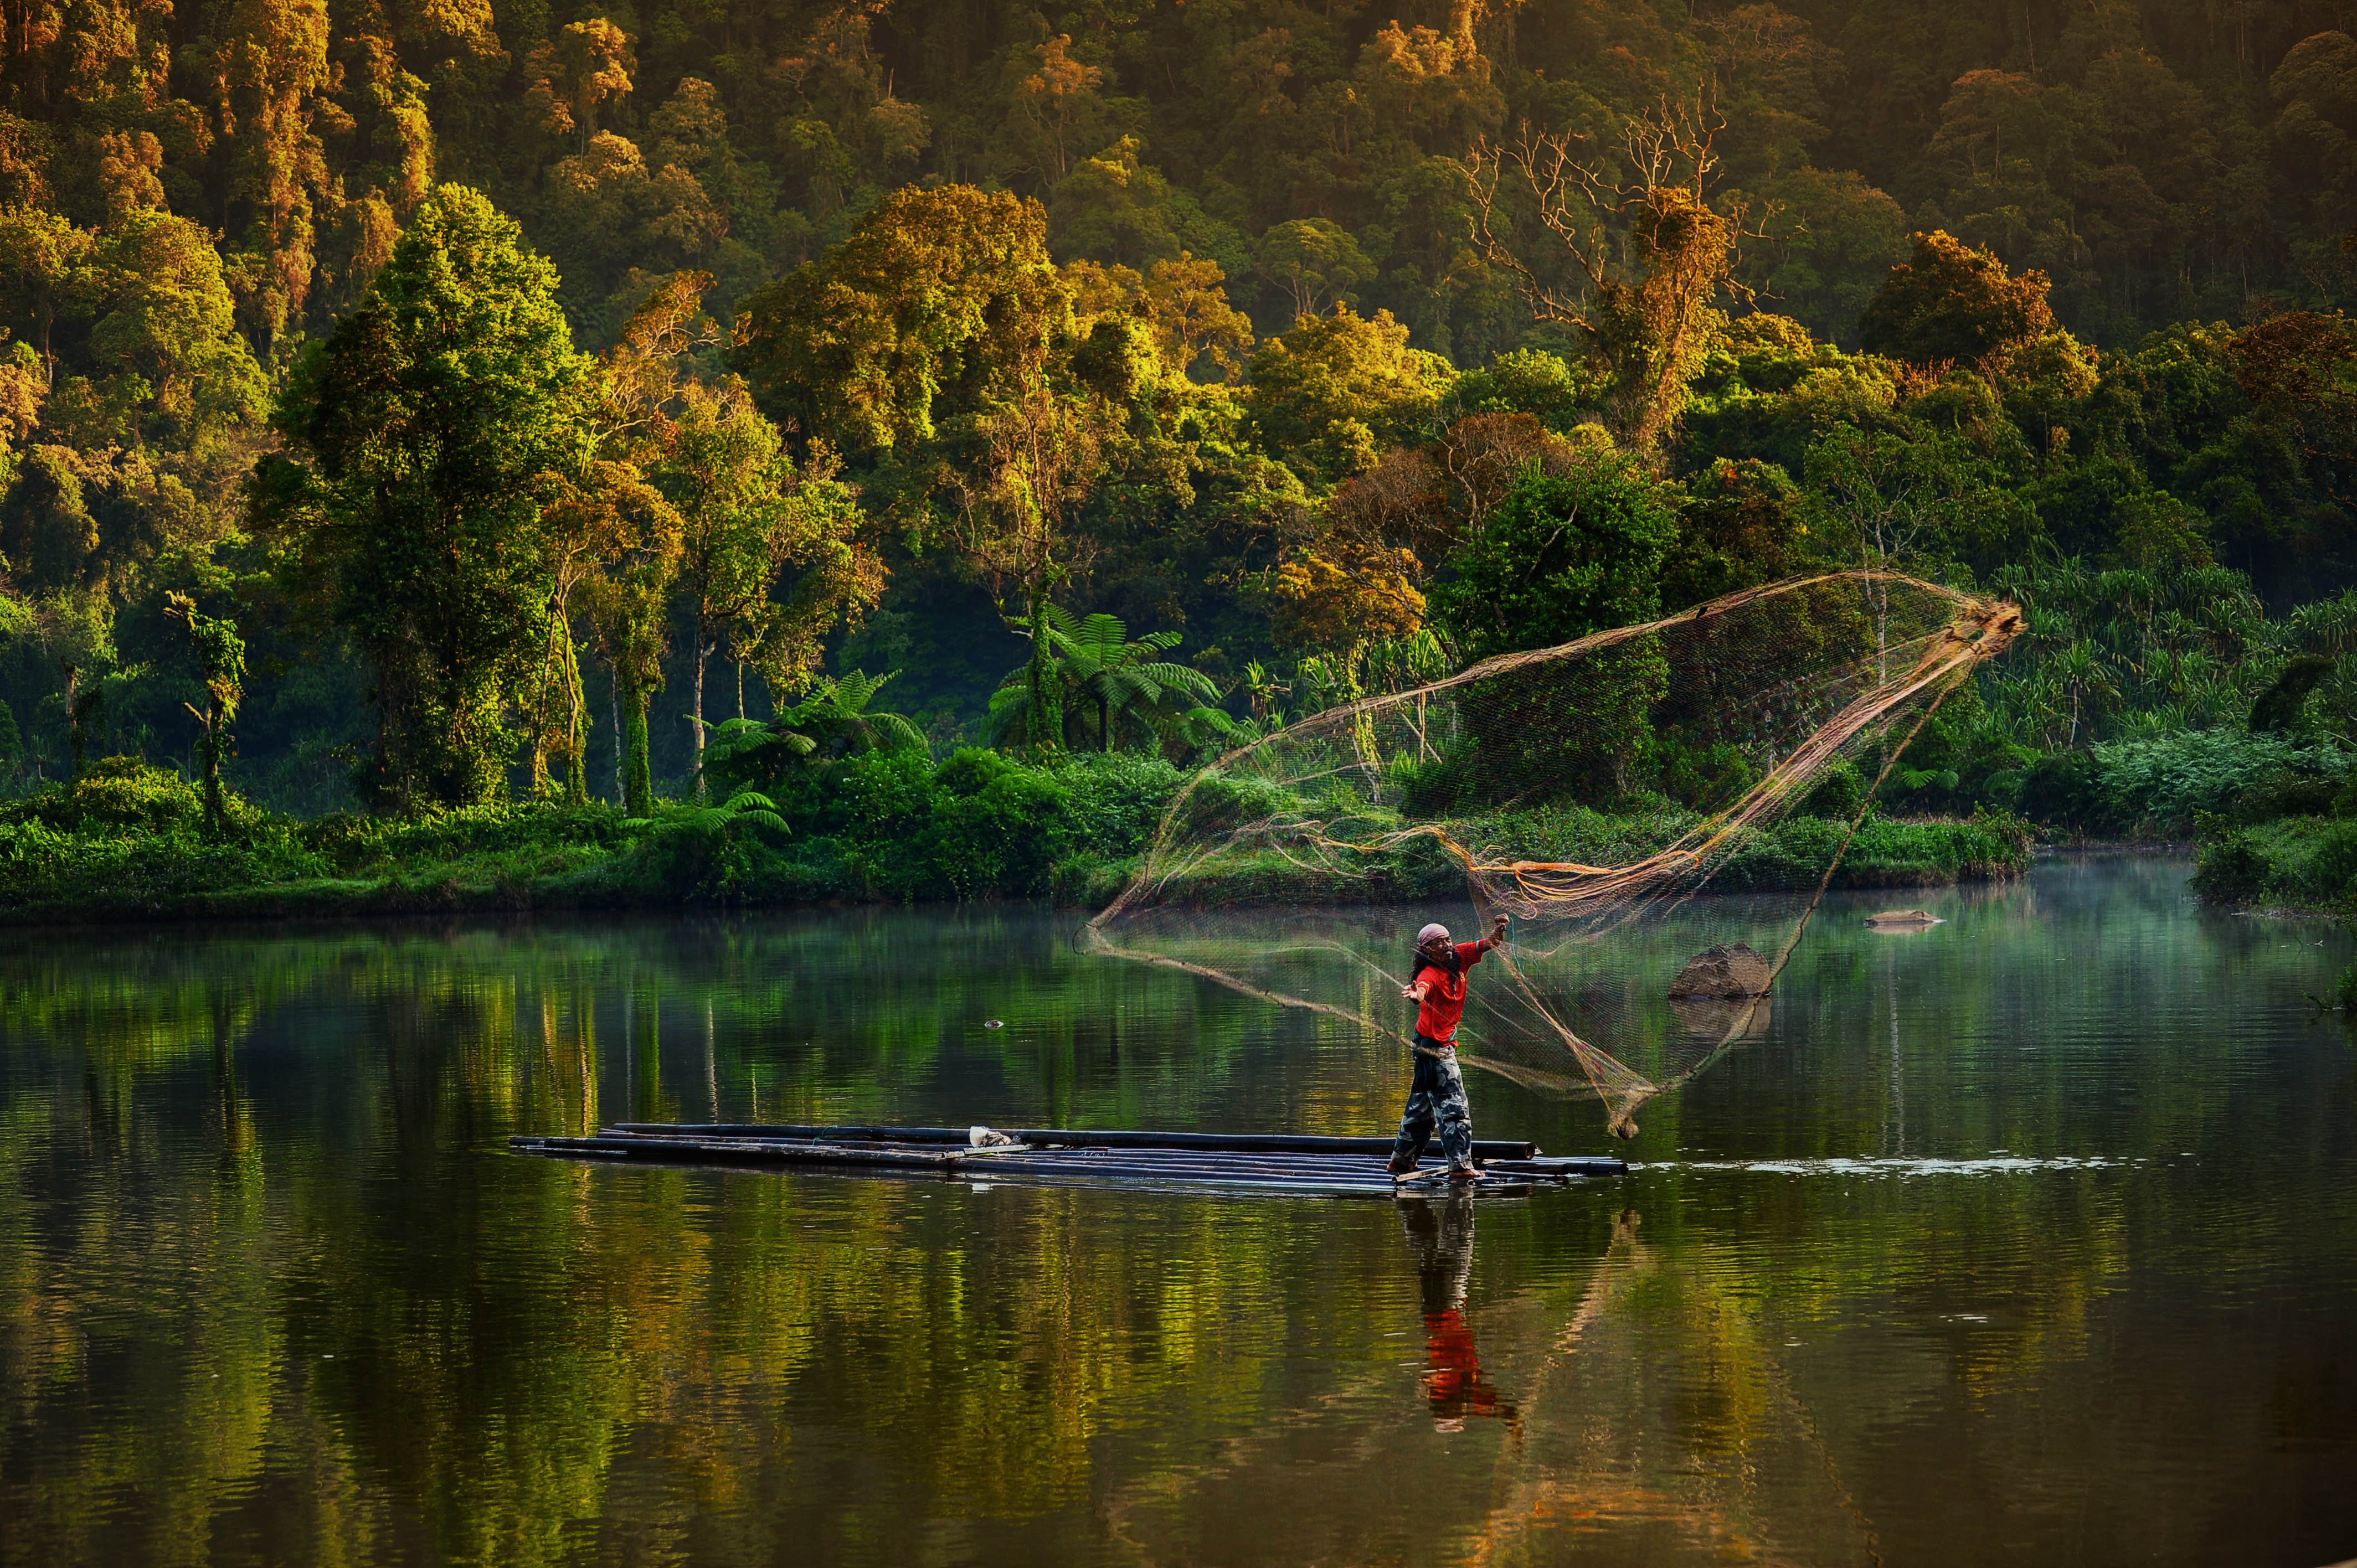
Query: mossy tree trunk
point(1046, 690)
point(638, 782)
point(209, 750)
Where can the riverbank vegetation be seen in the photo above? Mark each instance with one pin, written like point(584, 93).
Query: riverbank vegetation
point(780, 453)
point(129, 841)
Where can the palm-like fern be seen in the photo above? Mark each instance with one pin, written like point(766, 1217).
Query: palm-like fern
point(836, 717)
point(749, 748)
point(746, 806)
point(1103, 671)
point(835, 713)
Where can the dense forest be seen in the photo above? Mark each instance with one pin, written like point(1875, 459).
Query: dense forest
point(412, 408)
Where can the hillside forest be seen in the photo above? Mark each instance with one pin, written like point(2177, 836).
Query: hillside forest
point(725, 412)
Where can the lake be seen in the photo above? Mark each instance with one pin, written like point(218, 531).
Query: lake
point(2032, 1237)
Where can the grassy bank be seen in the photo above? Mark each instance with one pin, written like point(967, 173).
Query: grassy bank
point(129, 843)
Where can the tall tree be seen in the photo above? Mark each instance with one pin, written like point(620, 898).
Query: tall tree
point(746, 519)
point(43, 267)
point(1953, 301)
point(221, 656)
point(937, 344)
point(938, 303)
point(1565, 555)
point(1648, 254)
point(425, 432)
point(587, 63)
point(627, 604)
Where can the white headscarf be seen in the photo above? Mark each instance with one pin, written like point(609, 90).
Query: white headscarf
point(1435, 930)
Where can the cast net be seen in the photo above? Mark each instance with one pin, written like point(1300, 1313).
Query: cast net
point(1660, 808)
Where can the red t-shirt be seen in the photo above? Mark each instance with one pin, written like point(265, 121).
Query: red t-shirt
point(1443, 1001)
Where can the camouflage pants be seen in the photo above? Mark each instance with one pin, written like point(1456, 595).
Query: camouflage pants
point(1437, 1095)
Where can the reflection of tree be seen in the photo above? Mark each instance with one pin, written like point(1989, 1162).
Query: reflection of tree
point(261, 1256)
point(474, 1342)
point(1674, 1414)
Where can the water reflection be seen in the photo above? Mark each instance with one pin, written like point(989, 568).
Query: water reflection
point(1663, 1416)
point(2033, 1238)
point(1440, 1235)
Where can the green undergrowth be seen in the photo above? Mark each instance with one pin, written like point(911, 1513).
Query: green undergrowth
point(2295, 862)
point(130, 842)
point(1793, 854)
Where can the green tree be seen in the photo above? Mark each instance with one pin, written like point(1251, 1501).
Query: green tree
point(1954, 302)
point(1096, 668)
point(165, 331)
point(1181, 302)
point(627, 604)
point(1742, 525)
point(426, 429)
point(748, 519)
point(1832, 245)
point(75, 627)
point(936, 344)
point(1567, 555)
point(1329, 396)
point(1111, 208)
point(220, 655)
point(1316, 261)
point(938, 303)
point(44, 265)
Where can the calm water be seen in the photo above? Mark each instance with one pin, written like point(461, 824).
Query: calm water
point(2031, 1239)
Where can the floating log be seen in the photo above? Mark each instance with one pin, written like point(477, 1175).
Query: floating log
point(1903, 917)
point(1071, 1138)
point(1267, 1163)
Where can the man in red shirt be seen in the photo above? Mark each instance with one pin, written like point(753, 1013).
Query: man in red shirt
point(1436, 1093)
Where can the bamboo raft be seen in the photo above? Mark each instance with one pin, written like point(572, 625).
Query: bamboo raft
point(1301, 1165)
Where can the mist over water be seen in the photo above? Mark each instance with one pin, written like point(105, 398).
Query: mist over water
point(2030, 1237)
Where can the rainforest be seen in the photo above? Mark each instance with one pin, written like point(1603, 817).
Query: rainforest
point(458, 455)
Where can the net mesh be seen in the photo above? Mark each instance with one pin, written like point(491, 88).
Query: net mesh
point(1649, 936)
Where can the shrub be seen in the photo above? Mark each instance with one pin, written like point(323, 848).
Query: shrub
point(122, 794)
point(2229, 869)
point(1004, 837)
point(1117, 799)
point(1839, 791)
point(2285, 794)
point(2066, 788)
point(2324, 875)
point(2165, 782)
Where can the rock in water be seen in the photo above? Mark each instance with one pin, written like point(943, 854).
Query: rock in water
point(1903, 917)
point(1722, 1018)
point(1723, 971)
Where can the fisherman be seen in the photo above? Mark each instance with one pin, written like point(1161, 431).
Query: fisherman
point(1436, 1093)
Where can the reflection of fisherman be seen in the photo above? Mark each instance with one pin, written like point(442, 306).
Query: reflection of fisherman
point(1438, 1092)
point(1442, 1235)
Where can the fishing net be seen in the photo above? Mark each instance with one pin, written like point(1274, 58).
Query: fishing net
point(1544, 785)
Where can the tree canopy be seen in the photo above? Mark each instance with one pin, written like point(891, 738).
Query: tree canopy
point(498, 374)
